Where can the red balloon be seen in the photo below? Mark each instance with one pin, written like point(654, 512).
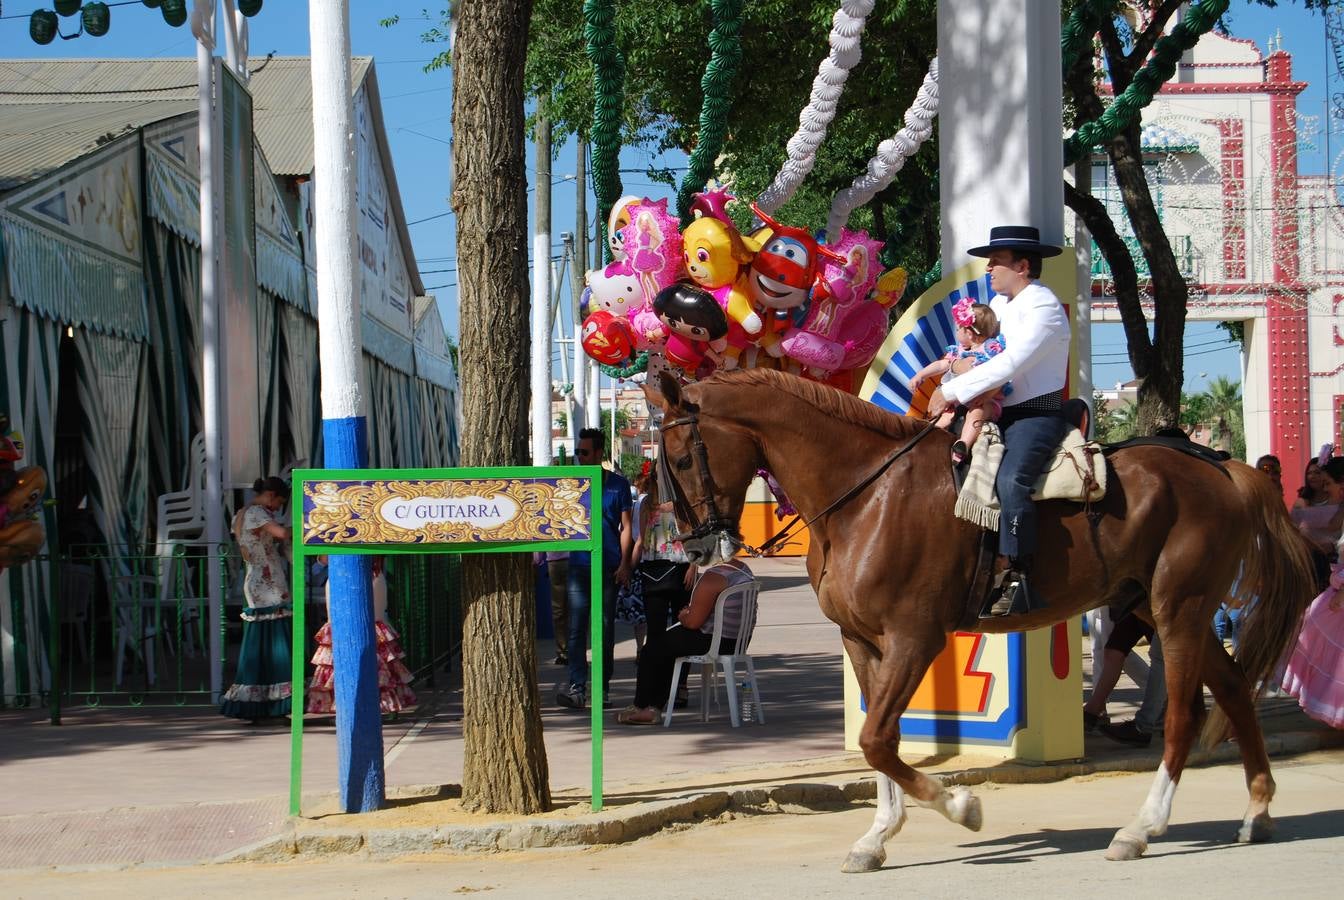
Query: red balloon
point(606, 338)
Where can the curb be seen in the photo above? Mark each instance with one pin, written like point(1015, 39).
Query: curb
point(629, 823)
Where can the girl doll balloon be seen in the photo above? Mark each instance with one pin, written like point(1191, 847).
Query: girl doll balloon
point(843, 329)
point(653, 250)
point(695, 325)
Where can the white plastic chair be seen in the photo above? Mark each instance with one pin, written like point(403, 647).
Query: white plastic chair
point(712, 660)
point(76, 598)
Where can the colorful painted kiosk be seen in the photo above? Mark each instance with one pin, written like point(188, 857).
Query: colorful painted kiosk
point(406, 511)
point(1008, 695)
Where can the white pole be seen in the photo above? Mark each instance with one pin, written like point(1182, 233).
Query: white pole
point(210, 360)
point(615, 436)
point(541, 302)
point(359, 736)
point(1082, 308)
point(593, 410)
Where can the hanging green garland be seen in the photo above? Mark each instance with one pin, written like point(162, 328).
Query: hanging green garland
point(1076, 33)
point(639, 365)
point(725, 44)
point(599, 32)
point(1125, 110)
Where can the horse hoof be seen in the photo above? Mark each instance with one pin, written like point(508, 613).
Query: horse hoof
point(860, 861)
point(1125, 846)
point(966, 809)
point(1256, 830)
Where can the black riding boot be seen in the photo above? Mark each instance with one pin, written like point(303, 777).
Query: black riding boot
point(1015, 596)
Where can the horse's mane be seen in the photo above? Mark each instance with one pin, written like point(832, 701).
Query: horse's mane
point(825, 399)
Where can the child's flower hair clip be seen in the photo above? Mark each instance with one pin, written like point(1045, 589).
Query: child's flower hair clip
point(962, 313)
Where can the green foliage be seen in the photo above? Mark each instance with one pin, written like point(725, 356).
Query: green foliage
point(631, 466)
point(783, 41)
point(1112, 424)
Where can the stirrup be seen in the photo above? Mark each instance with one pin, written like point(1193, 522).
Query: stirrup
point(1009, 598)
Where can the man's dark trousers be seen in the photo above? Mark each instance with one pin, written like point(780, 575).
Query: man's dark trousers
point(1028, 444)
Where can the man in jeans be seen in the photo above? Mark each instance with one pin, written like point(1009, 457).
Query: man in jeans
point(618, 546)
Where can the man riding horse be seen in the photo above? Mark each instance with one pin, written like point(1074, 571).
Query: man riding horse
point(1036, 335)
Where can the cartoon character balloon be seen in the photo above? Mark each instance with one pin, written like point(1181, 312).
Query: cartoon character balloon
point(716, 257)
point(695, 323)
point(21, 491)
point(617, 219)
point(782, 277)
point(615, 289)
point(843, 329)
point(607, 338)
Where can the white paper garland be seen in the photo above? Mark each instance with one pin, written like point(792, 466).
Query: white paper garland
point(846, 30)
point(891, 154)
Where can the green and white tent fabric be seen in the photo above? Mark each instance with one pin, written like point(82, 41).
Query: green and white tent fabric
point(111, 377)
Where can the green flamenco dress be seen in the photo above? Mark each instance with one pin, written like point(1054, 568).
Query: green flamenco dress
point(261, 687)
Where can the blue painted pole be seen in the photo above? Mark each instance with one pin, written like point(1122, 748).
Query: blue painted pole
point(359, 730)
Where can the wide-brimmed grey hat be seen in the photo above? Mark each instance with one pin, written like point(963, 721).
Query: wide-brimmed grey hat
point(1025, 238)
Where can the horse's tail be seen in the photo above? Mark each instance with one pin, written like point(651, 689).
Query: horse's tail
point(1278, 573)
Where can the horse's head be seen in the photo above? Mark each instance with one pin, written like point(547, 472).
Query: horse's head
point(710, 461)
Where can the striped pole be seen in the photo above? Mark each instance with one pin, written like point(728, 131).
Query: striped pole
point(359, 735)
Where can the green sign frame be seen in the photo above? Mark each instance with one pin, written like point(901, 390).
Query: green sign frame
point(348, 520)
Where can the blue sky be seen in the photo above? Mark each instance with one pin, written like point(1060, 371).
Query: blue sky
point(418, 106)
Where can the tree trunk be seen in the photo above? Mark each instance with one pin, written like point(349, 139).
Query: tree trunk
point(1163, 374)
point(504, 769)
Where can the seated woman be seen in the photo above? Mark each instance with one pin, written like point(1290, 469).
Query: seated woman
point(691, 636)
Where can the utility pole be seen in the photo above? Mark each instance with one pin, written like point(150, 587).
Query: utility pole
point(541, 301)
point(579, 416)
point(359, 729)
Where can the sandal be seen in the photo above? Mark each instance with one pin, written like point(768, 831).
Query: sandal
point(633, 715)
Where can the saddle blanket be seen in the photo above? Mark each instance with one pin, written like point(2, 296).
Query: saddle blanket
point(1076, 472)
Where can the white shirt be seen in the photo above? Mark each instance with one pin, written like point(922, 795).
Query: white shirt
point(1035, 358)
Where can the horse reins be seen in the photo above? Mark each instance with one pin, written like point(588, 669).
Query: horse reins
point(716, 522)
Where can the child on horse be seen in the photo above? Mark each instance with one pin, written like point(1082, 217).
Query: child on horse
point(978, 340)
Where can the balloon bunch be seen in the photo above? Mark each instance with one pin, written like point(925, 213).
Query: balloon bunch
point(709, 297)
point(21, 490)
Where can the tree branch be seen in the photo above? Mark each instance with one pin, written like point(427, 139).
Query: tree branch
point(1124, 276)
point(1143, 43)
point(1120, 67)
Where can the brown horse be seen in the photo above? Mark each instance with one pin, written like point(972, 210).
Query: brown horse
point(893, 567)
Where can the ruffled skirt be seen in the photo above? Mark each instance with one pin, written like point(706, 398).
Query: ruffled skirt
point(261, 687)
point(394, 679)
point(1315, 672)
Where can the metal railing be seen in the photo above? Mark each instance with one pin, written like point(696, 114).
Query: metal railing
point(131, 630)
point(1189, 259)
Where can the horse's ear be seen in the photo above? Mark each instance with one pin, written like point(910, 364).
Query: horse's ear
point(670, 388)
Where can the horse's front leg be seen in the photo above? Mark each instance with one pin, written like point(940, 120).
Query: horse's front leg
point(888, 683)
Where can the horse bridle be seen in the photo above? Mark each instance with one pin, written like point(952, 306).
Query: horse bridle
point(717, 523)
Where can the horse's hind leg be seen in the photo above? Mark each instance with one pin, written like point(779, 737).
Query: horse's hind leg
point(1182, 646)
point(888, 684)
point(870, 851)
point(1230, 688)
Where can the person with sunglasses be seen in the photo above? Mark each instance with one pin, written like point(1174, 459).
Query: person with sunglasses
point(617, 552)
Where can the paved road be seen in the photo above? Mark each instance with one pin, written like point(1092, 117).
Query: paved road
point(1038, 840)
